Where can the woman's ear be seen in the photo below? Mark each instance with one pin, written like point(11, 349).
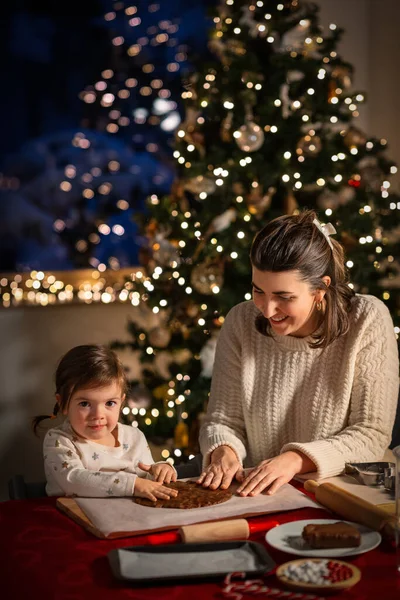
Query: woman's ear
point(319, 294)
point(327, 280)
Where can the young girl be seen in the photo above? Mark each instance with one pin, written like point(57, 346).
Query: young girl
point(306, 375)
point(91, 454)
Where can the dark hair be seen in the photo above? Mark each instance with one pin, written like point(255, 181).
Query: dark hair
point(84, 367)
point(295, 243)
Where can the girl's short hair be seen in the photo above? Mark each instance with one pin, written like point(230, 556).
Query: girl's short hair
point(85, 367)
point(295, 243)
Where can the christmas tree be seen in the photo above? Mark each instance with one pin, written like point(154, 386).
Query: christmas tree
point(268, 130)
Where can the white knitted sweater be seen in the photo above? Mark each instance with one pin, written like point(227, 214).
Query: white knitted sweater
point(270, 395)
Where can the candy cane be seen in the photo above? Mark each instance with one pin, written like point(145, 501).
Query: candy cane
point(236, 590)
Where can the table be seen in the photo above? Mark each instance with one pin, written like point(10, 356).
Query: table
point(46, 556)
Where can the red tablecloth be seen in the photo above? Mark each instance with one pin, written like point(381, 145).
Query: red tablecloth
point(46, 556)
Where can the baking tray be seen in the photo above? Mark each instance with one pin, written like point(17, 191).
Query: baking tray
point(153, 564)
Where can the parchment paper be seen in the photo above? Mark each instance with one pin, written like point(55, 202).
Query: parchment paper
point(111, 515)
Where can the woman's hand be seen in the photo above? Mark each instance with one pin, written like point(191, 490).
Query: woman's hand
point(153, 490)
point(273, 473)
point(162, 472)
point(224, 467)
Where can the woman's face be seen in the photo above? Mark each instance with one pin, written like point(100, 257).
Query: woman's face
point(287, 302)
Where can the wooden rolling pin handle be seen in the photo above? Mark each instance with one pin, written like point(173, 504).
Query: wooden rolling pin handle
point(311, 485)
point(234, 529)
point(351, 507)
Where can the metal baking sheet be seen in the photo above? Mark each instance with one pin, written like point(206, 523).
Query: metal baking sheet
point(147, 564)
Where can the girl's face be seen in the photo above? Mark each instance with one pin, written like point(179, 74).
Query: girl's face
point(94, 412)
point(287, 302)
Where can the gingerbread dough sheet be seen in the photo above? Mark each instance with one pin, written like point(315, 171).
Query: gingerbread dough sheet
point(189, 496)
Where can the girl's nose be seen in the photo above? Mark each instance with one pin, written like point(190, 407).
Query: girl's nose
point(96, 412)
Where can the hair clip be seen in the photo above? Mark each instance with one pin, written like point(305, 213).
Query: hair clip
point(53, 416)
point(327, 229)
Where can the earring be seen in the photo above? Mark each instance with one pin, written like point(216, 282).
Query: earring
point(319, 306)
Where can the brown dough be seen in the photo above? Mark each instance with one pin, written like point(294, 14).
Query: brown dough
point(190, 495)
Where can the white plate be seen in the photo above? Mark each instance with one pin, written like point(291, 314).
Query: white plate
point(288, 538)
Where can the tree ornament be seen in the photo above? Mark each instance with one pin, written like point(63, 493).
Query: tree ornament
point(177, 194)
point(159, 337)
point(250, 136)
point(192, 310)
point(181, 435)
point(222, 221)
point(286, 103)
point(342, 76)
point(294, 40)
point(290, 204)
point(354, 137)
point(258, 202)
point(247, 20)
point(371, 174)
point(218, 47)
point(199, 184)
point(236, 47)
point(190, 128)
point(207, 356)
point(238, 188)
point(226, 127)
point(165, 253)
point(206, 276)
point(309, 145)
point(190, 122)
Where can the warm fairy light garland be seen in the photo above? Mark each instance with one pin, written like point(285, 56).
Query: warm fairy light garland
point(39, 288)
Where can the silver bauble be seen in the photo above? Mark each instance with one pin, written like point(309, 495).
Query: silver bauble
point(251, 137)
point(205, 277)
point(165, 253)
point(310, 145)
point(199, 184)
point(159, 337)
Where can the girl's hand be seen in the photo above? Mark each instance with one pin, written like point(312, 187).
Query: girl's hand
point(271, 473)
point(162, 472)
point(153, 490)
point(224, 467)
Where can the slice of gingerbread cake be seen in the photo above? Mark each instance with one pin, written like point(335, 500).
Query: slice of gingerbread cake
point(332, 535)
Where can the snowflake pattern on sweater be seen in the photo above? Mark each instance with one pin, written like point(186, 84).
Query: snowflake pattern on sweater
point(79, 467)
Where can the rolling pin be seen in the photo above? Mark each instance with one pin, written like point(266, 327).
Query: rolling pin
point(352, 507)
point(231, 529)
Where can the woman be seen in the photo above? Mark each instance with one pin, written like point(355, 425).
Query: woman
point(306, 375)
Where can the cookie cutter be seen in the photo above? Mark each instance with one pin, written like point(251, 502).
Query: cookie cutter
point(373, 474)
